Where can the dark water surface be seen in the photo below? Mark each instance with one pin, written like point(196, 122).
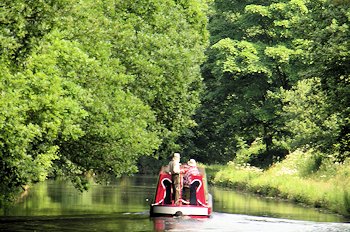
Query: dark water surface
point(124, 206)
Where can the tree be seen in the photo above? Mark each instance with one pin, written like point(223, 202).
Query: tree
point(254, 55)
point(37, 108)
point(92, 86)
point(161, 45)
point(309, 118)
point(325, 88)
point(23, 24)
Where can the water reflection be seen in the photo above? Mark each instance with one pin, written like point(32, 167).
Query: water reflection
point(112, 222)
point(181, 224)
point(124, 206)
point(57, 198)
point(241, 203)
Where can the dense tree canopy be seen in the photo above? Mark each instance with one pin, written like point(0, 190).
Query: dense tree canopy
point(327, 62)
point(276, 80)
point(92, 86)
point(251, 58)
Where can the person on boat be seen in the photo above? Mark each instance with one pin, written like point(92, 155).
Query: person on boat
point(175, 170)
point(190, 187)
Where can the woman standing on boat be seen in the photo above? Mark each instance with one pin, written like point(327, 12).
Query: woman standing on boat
point(187, 181)
point(174, 166)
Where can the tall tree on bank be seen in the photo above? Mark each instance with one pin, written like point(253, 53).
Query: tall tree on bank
point(276, 67)
point(162, 46)
point(94, 85)
point(36, 107)
point(254, 54)
point(318, 106)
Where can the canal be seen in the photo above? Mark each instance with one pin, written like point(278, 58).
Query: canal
point(124, 204)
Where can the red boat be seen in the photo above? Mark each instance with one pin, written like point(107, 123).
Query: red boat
point(196, 201)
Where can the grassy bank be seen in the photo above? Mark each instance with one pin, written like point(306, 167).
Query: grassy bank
point(300, 178)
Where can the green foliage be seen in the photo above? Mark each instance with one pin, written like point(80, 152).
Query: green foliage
point(23, 24)
point(309, 118)
point(252, 58)
point(238, 58)
point(162, 50)
point(292, 179)
point(277, 71)
point(36, 111)
point(92, 86)
point(301, 163)
point(330, 52)
point(245, 154)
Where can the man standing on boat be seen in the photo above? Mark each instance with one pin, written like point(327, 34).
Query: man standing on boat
point(174, 167)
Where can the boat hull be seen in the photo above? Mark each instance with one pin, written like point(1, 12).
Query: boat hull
point(184, 210)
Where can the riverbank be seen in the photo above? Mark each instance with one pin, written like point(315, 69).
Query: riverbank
point(300, 178)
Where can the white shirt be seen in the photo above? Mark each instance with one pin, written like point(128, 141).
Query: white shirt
point(174, 166)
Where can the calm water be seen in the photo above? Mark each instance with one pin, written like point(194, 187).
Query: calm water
point(124, 205)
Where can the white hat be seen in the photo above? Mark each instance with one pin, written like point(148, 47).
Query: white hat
point(192, 163)
point(176, 155)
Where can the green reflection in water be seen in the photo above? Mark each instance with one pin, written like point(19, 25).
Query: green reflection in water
point(58, 206)
point(228, 201)
point(124, 205)
point(57, 198)
point(112, 222)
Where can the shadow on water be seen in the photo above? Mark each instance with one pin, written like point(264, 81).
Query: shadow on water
point(124, 205)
